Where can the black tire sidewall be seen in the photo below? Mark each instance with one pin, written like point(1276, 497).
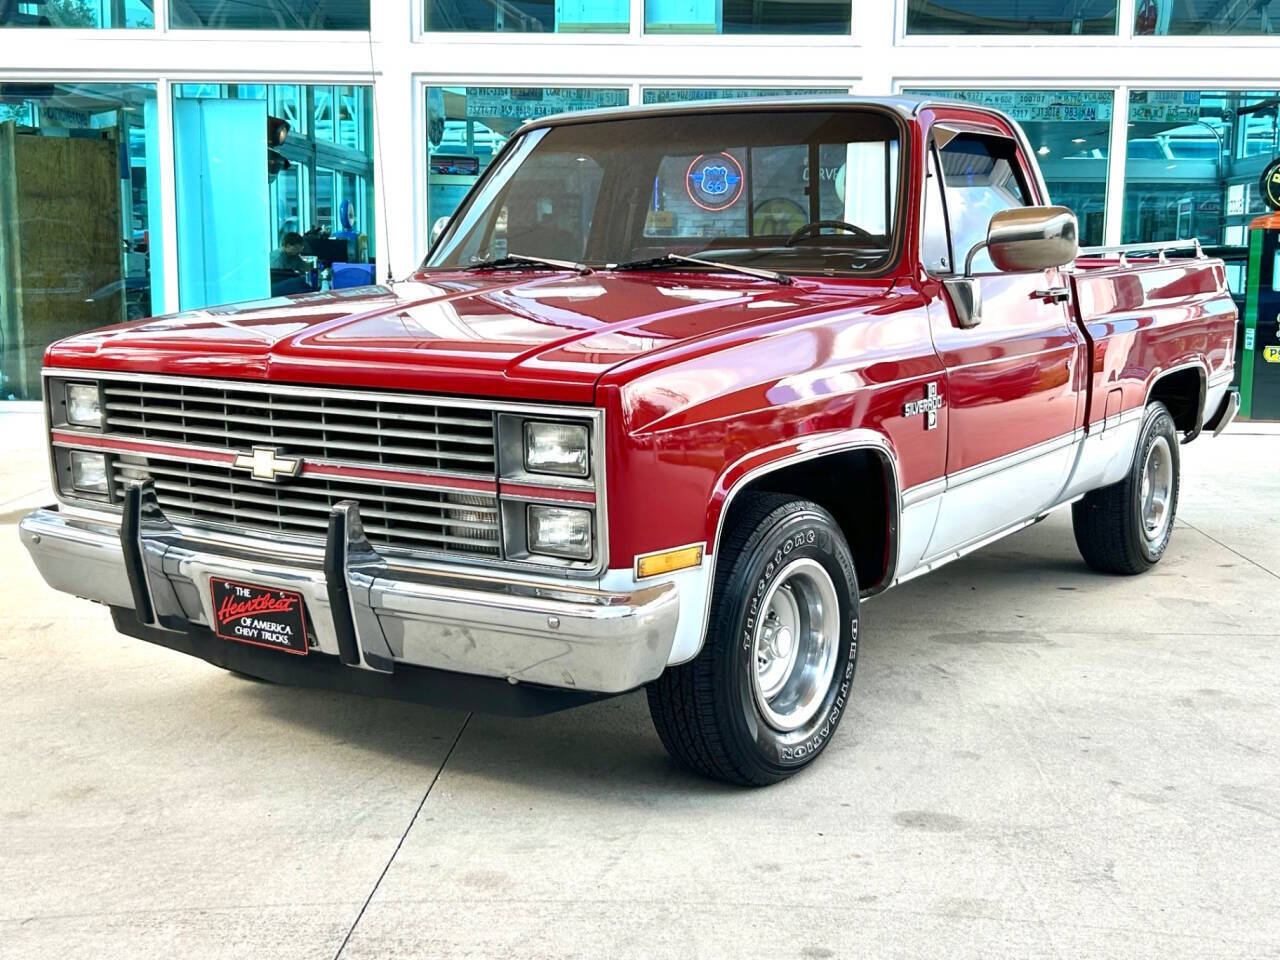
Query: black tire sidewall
point(1159, 423)
point(804, 534)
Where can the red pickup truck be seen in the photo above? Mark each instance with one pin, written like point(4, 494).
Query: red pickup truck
point(674, 391)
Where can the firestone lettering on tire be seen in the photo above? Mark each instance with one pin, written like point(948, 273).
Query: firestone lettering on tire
point(803, 538)
point(798, 752)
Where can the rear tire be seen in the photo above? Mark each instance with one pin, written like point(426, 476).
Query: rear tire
point(772, 682)
point(1125, 528)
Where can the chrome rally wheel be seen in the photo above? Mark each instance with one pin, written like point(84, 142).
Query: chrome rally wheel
point(1157, 490)
point(796, 643)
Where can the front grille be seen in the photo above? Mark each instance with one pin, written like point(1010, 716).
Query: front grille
point(382, 431)
point(405, 517)
point(379, 432)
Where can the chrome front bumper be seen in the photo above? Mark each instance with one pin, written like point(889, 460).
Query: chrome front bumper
point(365, 610)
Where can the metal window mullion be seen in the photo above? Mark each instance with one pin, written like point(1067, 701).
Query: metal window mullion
point(1117, 158)
point(167, 169)
point(1125, 12)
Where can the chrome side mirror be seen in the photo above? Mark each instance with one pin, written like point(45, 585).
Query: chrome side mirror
point(1029, 238)
point(437, 228)
point(1019, 240)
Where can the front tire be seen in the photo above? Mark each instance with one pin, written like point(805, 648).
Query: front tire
point(1125, 528)
point(765, 695)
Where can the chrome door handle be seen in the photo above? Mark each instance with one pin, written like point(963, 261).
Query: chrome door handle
point(1052, 294)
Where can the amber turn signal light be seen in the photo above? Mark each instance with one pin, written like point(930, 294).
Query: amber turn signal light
point(682, 558)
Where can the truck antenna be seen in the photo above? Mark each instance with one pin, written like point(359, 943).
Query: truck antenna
point(379, 145)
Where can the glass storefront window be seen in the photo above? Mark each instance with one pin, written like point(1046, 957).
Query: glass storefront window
point(1193, 163)
point(265, 208)
point(83, 14)
point(467, 126)
point(976, 17)
point(79, 217)
point(687, 94)
point(1070, 130)
point(322, 113)
point(747, 16)
point(351, 117)
point(529, 16)
point(269, 15)
point(288, 101)
point(1205, 18)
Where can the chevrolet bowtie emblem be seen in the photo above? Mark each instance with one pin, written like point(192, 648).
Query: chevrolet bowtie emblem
point(265, 463)
point(929, 406)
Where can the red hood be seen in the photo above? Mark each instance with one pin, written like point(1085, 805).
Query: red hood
point(500, 335)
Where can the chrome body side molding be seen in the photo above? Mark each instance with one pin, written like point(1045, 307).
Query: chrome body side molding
point(1001, 496)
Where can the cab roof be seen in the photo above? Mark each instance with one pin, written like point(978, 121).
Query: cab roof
point(906, 107)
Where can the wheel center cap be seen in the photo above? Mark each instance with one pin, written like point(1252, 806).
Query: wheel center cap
point(782, 642)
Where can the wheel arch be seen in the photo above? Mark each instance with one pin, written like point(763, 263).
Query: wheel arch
point(838, 475)
point(1183, 389)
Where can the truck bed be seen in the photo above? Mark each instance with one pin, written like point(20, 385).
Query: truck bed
point(1144, 317)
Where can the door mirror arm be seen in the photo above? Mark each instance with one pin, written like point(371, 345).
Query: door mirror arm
point(976, 249)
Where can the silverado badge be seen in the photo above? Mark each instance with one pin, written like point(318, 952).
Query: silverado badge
point(929, 406)
point(265, 463)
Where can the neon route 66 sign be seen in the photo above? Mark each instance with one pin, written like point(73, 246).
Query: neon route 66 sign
point(714, 181)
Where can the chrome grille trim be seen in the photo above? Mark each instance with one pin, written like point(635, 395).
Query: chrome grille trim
point(233, 417)
point(380, 432)
point(393, 517)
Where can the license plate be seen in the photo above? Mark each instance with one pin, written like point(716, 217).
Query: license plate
point(262, 616)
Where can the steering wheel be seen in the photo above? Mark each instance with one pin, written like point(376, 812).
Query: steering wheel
point(812, 230)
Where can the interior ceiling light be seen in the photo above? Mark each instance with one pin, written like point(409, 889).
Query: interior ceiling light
point(1043, 151)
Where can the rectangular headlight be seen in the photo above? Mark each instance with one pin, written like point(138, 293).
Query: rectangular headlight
point(84, 405)
point(556, 448)
point(89, 472)
point(559, 531)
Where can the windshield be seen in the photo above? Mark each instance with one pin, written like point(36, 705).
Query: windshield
point(799, 191)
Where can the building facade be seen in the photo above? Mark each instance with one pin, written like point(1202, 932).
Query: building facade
point(164, 155)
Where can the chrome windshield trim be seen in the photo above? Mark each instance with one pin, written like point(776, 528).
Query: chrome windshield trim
point(897, 109)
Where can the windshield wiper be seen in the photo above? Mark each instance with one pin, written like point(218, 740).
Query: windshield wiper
point(520, 260)
point(653, 263)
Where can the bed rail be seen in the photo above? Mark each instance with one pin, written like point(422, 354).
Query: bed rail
point(1160, 250)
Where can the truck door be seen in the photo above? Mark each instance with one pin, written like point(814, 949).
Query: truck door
point(1011, 393)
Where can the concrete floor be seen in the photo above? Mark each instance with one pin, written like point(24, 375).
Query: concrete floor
point(1039, 762)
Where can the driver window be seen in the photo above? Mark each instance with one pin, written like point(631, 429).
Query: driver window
point(982, 178)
